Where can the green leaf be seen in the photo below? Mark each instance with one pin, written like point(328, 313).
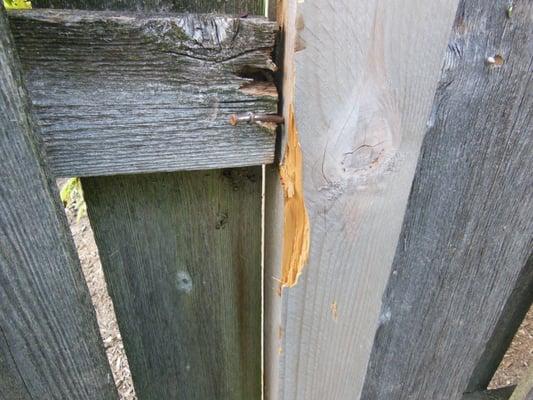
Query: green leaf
point(17, 4)
point(72, 197)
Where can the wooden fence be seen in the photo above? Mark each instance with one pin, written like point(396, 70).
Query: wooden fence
point(390, 258)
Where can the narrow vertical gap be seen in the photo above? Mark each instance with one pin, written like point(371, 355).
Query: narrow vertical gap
point(263, 187)
point(515, 313)
point(268, 9)
point(518, 357)
point(94, 276)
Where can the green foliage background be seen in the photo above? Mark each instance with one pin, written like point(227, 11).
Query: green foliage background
point(72, 197)
point(17, 4)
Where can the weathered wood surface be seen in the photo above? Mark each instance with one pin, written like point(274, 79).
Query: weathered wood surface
point(117, 92)
point(235, 7)
point(181, 253)
point(495, 394)
point(510, 318)
point(365, 76)
point(468, 230)
point(50, 347)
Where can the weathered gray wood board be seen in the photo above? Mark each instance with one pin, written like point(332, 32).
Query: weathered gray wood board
point(511, 316)
point(116, 92)
point(235, 7)
point(468, 229)
point(50, 347)
point(495, 394)
point(181, 254)
point(365, 76)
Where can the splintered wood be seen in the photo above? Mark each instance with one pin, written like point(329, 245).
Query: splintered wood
point(296, 220)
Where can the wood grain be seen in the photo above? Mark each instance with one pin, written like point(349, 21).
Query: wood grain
point(181, 254)
point(510, 318)
point(117, 92)
point(50, 347)
point(365, 76)
point(234, 7)
point(468, 229)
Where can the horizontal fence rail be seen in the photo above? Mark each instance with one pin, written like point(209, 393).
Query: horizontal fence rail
point(117, 92)
point(238, 7)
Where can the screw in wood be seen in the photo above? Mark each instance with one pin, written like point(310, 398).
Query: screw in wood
point(251, 117)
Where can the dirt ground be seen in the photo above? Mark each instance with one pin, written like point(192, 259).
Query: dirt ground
point(519, 356)
point(514, 364)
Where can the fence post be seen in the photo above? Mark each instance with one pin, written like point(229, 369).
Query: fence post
point(50, 347)
point(360, 77)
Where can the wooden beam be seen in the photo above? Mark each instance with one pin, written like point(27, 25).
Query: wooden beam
point(181, 254)
point(511, 316)
point(468, 230)
point(234, 7)
point(117, 92)
point(365, 73)
point(50, 347)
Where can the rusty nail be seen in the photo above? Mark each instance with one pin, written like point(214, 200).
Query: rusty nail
point(251, 117)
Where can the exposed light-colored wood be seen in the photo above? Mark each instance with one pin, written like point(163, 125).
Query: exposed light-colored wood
point(117, 92)
point(50, 347)
point(296, 221)
point(275, 208)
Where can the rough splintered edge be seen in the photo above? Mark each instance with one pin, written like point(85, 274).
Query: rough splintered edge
point(296, 221)
point(296, 229)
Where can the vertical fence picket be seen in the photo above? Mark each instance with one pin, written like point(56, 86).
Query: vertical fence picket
point(460, 276)
point(361, 76)
point(50, 347)
point(182, 257)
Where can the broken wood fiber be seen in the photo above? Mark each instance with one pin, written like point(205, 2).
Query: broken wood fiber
point(296, 221)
